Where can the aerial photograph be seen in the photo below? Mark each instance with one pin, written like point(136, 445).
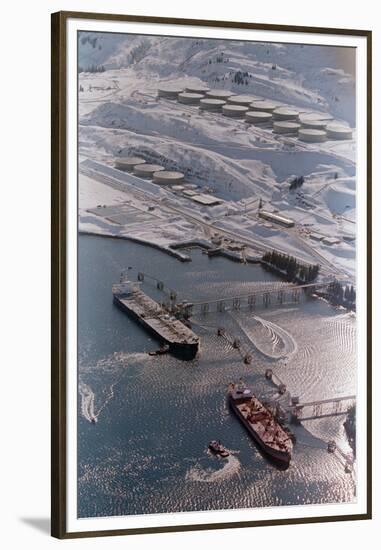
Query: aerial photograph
point(217, 357)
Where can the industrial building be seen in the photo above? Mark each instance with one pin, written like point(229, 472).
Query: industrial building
point(330, 241)
point(336, 131)
point(244, 100)
point(285, 127)
point(128, 163)
point(206, 200)
point(147, 170)
point(219, 94)
point(276, 218)
point(189, 98)
point(234, 110)
point(169, 92)
point(168, 177)
point(210, 104)
point(197, 89)
point(284, 113)
point(189, 193)
point(263, 106)
point(311, 135)
point(257, 117)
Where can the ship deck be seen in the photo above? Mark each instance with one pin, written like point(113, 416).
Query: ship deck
point(149, 311)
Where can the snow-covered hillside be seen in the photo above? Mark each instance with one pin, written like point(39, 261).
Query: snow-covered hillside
point(121, 114)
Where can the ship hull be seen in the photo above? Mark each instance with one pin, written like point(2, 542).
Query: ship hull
point(278, 456)
point(184, 351)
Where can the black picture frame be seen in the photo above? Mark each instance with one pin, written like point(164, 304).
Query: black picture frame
point(59, 265)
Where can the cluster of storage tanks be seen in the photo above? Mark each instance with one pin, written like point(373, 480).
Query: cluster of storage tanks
point(311, 128)
point(155, 172)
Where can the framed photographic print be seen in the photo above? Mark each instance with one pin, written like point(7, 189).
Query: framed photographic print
point(211, 274)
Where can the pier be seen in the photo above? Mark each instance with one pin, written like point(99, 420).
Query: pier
point(270, 295)
point(322, 408)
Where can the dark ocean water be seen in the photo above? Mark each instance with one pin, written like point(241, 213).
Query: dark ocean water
point(147, 453)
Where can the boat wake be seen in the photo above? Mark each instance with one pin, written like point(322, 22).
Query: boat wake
point(198, 474)
point(276, 342)
point(87, 402)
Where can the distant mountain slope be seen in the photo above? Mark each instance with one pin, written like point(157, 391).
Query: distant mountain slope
point(304, 75)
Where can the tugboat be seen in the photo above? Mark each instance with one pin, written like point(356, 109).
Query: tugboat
point(217, 448)
point(161, 351)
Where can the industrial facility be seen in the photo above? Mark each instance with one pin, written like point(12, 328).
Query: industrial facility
point(219, 94)
point(263, 106)
point(236, 111)
point(168, 177)
point(336, 131)
point(147, 170)
point(311, 135)
point(276, 218)
point(257, 117)
point(128, 163)
point(190, 98)
point(170, 92)
point(210, 104)
point(284, 113)
point(197, 89)
point(285, 127)
point(245, 100)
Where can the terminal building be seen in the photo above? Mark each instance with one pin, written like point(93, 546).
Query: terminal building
point(276, 218)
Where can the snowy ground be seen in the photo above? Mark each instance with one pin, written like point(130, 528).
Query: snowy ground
point(239, 163)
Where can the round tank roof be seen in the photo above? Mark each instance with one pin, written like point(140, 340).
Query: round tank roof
point(147, 169)
point(314, 124)
point(219, 94)
point(285, 127)
point(241, 100)
point(308, 117)
point(169, 91)
point(197, 89)
point(284, 113)
point(187, 97)
point(168, 176)
point(336, 131)
point(212, 104)
point(312, 135)
point(264, 106)
point(234, 110)
point(258, 116)
point(128, 162)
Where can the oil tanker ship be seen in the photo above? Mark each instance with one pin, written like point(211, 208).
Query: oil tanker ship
point(261, 424)
point(169, 331)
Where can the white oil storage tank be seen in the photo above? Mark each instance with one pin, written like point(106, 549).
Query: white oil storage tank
point(189, 98)
point(219, 94)
point(285, 113)
point(336, 131)
point(236, 111)
point(168, 177)
point(147, 170)
point(169, 92)
point(314, 124)
point(197, 89)
point(128, 163)
point(312, 135)
point(285, 127)
point(210, 104)
point(245, 100)
point(256, 117)
point(263, 106)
